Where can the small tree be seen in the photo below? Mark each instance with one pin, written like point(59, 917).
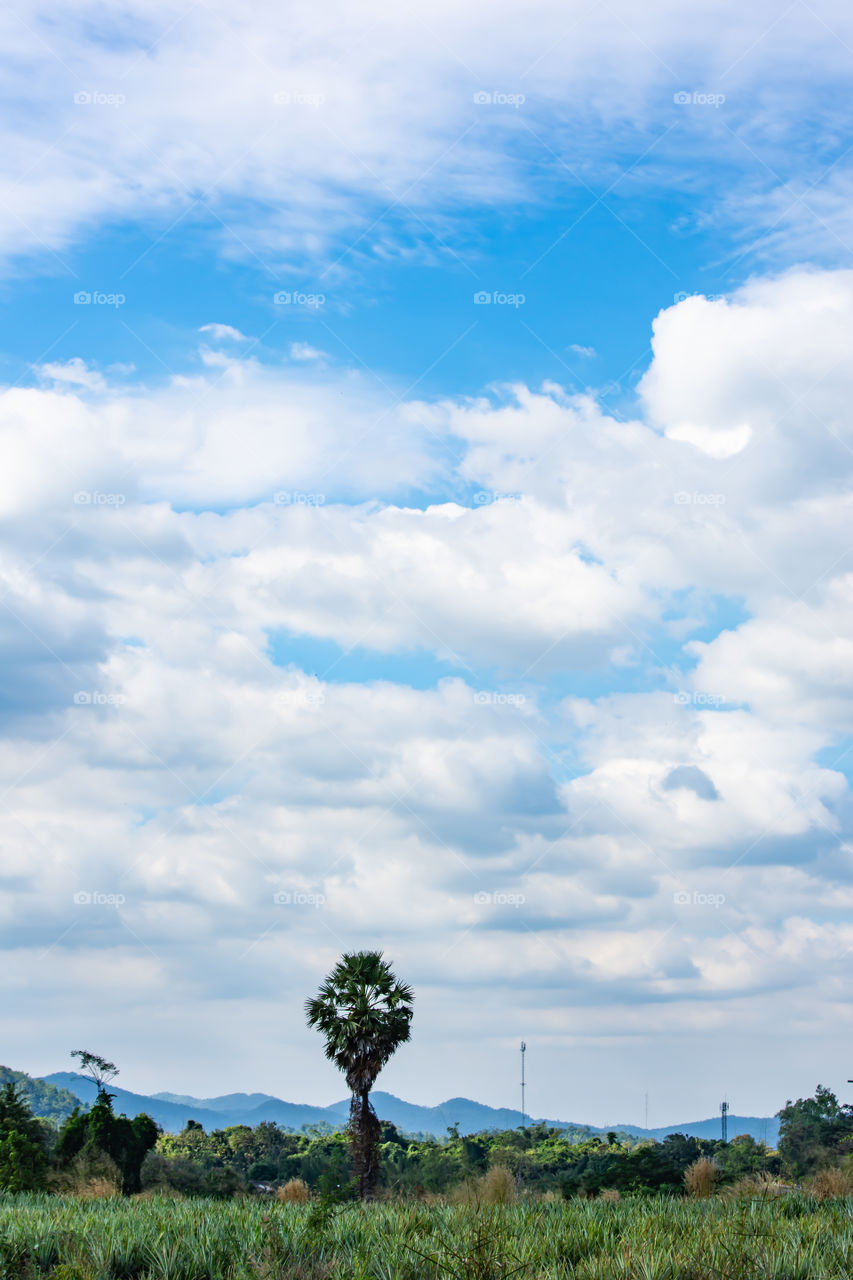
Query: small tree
point(814, 1132)
point(96, 1069)
point(22, 1144)
point(365, 1015)
point(99, 1132)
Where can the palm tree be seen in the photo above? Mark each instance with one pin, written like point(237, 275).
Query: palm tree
point(364, 1013)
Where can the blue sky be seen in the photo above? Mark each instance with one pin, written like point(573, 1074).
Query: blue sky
point(595, 289)
point(506, 553)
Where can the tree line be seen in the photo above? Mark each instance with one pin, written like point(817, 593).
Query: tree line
point(364, 1014)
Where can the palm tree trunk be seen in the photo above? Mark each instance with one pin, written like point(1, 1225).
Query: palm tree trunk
point(365, 1132)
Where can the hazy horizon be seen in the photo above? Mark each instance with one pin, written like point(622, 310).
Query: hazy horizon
point(330, 1097)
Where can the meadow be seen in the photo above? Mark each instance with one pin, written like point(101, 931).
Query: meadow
point(795, 1237)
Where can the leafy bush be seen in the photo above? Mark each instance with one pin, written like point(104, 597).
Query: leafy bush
point(100, 1132)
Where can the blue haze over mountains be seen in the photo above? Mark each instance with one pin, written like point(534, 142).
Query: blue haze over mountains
point(172, 1111)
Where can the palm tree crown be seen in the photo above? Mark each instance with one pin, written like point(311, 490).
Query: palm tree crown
point(364, 1013)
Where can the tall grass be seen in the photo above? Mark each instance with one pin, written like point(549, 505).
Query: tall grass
point(701, 1176)
point(294, 1192)
point(795, 1237)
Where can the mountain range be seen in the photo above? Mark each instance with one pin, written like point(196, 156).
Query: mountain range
point(173, 1110)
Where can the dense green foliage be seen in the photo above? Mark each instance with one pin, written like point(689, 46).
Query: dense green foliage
point(43, 1099)
point(23, 1143)
point(816, 1139)
point(657, 1238)
point(542, 1159)
point(99, 1132)
point(815, 1132)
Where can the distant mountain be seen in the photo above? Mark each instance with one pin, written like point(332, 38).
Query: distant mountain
point(761, 1128)
point(170, 1116)
point(173, 1110)
point(227, 1102)
point(43, 1099)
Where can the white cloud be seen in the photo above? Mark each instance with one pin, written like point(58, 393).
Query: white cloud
point(74, 372)
point(139, 122)
point(223, 333)
point(196, 778)
point(304, 351)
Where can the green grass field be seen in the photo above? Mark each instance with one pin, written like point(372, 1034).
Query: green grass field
point(635, 1239)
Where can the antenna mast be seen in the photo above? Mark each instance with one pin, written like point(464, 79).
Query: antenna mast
point(724, 1117)
point(523, 1113)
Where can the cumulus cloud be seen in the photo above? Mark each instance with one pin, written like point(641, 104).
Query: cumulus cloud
point(610, 764)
